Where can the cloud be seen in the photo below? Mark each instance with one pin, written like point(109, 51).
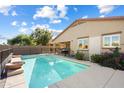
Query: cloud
point(105, 9)
point(19, 24)
point(75, 9)
point(2, 42)
point(2, 37)
point(55, 21)
point(45, 12)
point(14, 23)
point(5, 9)
point(102, 16)
point(84, 17)
point(44, 26)
point(23, 23)
point(14, 13)
point(55, 32)
point(23, 30)
point(63, 10)
point(52, 12)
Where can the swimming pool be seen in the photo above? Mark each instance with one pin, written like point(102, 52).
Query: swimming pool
point(43, 70)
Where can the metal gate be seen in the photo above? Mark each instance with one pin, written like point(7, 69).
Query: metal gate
point(5, 57)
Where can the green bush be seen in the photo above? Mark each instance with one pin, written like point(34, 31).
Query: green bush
point(97, 58)
point(116, 52)
point(79, 56)
point(122, 64)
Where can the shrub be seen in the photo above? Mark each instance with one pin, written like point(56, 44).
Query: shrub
point(113, 60)
point(79, 56)
point(122, 56)
point(97, 58)
point(109, 63)
point(107, 55)
point(116, 52)
point(122, 61)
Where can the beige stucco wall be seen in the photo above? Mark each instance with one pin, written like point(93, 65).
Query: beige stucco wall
point(95, 45)
point(92, 29)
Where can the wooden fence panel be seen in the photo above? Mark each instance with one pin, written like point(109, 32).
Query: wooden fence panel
point(28, 50)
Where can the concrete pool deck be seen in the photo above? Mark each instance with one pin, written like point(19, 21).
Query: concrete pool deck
point(95, 76)
point(16, 81)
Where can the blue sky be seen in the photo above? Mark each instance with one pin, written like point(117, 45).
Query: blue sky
point(21, 19)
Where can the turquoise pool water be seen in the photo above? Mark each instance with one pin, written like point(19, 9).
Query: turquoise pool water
point(43, 70)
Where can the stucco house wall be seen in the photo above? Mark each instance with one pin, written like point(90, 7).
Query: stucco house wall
point(94, 31)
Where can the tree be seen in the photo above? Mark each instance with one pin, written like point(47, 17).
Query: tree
point(41, 36)
point(21, 40)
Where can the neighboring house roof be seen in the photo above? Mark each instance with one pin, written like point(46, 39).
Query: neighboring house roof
point(80, 21)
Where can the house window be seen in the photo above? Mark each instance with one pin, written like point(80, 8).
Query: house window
point(82, 43)
point(111, 41)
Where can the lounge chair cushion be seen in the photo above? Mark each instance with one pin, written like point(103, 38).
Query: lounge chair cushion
point(18, 62)
point(15, 59)
point(13, 66)
point(15, 56)
point(14, 72)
